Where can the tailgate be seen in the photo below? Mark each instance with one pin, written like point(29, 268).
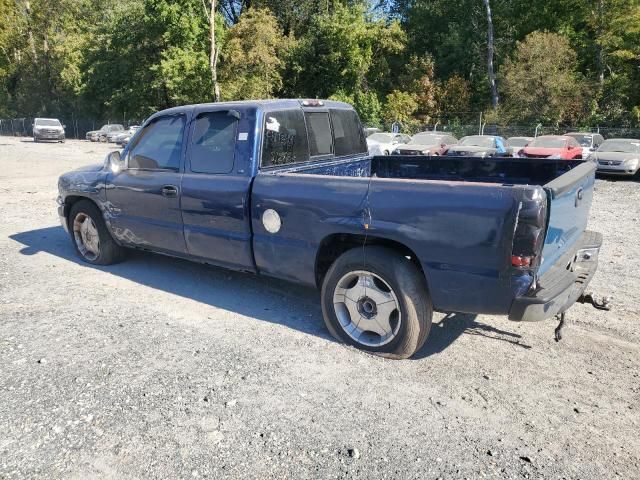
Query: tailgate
point(569, 198)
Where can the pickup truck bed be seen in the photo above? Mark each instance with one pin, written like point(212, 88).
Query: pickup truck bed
point(458, 218)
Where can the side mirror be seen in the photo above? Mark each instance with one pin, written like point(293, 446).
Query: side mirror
point(64, 126)
point(114, 162)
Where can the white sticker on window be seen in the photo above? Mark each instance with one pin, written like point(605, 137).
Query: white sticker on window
point(273, 124)
point(243, 136)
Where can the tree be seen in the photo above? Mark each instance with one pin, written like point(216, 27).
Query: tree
point(453, 98)
point(399, 107)
point(252, 62)
point(541, 83)
point(344, 50)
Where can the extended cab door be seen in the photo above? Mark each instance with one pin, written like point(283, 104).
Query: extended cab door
point(216, 184)
point(144, 197)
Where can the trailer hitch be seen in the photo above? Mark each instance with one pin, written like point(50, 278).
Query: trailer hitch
point(589, 298)
point(604, 304)
point(558, 332)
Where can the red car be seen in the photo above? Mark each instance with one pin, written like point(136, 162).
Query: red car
point(553, 146)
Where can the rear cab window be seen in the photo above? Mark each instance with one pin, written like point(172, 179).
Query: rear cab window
point(285, 138)
point(319, 132)
point(300, 135)
point(348, 135)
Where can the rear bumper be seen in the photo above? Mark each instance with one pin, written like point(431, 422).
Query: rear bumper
point(563, 284)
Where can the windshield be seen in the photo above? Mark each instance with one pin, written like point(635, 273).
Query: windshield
point(518, 142)
point(549, 142)
point(477, 141)
point(48, 122)
point(381, 137)
point(584, 140)
point(620, 146)
point(425, 139)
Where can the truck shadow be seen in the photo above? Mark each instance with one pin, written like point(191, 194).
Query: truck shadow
point(454, 325)
point(263, 298)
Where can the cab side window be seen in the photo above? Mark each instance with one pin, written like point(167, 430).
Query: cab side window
point(159, 145)
point(213, 143)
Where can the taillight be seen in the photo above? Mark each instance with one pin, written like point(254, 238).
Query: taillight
point(517, 261)
point(528, 238)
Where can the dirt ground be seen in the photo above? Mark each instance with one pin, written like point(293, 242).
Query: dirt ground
point(159, 368)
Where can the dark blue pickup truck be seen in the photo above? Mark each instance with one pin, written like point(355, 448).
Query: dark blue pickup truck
point(285, 188)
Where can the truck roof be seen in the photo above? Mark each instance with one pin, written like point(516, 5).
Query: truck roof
point(265, 105)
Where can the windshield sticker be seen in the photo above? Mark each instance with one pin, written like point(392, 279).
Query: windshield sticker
point(242, 136)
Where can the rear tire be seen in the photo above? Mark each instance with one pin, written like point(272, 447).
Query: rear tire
point(91, 238)
point(377, 301)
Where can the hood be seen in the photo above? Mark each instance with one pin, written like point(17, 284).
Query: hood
point(616, 156)
point(543, 151)
point(471, 149)
point(49, 127)
point(416, 146)
point(375, 142)
point(89, 168)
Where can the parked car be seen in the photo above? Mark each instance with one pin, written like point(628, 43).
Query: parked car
point(123, 138)
point(553, 146)
point(479, 146)
point(101, 135)
point(287, 189)
point(368, 131)
point(588, 141)
point(618, 156)
point(48, 129)
point(516, 144)
point(427, 143)
point(384, 143)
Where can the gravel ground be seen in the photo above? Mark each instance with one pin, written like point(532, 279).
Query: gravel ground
point(158, 368)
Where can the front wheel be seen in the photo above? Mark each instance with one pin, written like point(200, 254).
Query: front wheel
point(91, 239)
point(377, 300)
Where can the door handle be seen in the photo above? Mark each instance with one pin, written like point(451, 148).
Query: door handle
point(169, 190)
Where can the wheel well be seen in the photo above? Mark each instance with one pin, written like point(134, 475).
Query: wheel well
point(335, 245)
point(71, 200)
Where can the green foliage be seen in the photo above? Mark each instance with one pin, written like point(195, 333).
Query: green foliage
point(133, 57)
point(344, 50)
point(541, 82)
point(252, 61)
point(366, 103)
point(399, 107)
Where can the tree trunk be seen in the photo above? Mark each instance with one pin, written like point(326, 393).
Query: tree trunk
point(213, 58)
point(490, 51)
point(599, 49)
point(32, 42)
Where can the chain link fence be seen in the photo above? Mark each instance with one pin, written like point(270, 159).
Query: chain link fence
point(74, 127)
point(78, 128)
point(532, 130)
